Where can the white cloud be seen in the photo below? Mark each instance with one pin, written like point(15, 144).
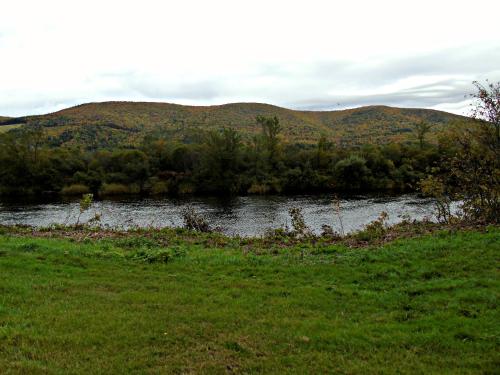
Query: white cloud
point(294, 53)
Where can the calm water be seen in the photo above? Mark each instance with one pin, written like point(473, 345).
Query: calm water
point(245, 216)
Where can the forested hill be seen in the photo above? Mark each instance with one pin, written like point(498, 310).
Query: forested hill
point(128, 123)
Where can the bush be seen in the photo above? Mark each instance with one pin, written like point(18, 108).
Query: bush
point(276, 234)
point(84, 205)
point(159, 188)
point(300, 229)
point(195, 221)
point(75, 189)
point(375, 229)
point(471, 173)
point(257, 188)
point(186, 188)
point(114, 189)
point(327, 231)
point(351, 173)
point(433, 187)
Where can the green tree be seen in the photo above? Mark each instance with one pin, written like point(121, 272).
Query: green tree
point(222, 161)
point(323, 152)
point(351, 173)
point(21, 160)
point(271, 130)
point(422, 128)
point(133, 164)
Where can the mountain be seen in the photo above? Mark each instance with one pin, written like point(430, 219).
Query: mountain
point(127, 123)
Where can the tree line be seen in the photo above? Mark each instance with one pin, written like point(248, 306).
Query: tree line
point(219, 164)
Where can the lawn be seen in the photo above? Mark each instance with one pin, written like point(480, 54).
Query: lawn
point(113, 306)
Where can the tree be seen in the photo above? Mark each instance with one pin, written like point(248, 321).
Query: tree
point(422, 128)
point(351, 173)
point(471, 173)
point(222, 161)
point(486, 106)
point(271, 129)
point(323, 152)
point(20, 159)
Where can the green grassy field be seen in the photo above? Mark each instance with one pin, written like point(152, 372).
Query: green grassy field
point(128, 305)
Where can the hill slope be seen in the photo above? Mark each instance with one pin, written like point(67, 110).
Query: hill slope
point(129, 122)
point(5, 128)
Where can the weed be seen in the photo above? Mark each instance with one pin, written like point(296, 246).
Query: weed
point(157, 255)
point(29, 247)
point(299, 227)
point(136, 243)
point(328, 232)
point(336, 204)
point(234, 346)
point(375, 229)
point(195, 221)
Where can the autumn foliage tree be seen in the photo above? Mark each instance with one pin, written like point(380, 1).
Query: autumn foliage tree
point(486, 107)
point(471, 173)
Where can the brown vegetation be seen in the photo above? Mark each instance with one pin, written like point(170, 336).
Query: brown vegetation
point(130, 122)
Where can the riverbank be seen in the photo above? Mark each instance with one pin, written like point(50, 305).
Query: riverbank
point(179, 302)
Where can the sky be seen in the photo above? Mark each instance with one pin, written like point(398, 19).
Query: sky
point(312, 55)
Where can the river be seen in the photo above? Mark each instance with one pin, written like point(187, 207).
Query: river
point(244, 216)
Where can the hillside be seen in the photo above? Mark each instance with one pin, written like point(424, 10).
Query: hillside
point(5, 128)
point(129, 122)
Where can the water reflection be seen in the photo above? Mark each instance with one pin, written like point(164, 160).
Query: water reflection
point(245, 216)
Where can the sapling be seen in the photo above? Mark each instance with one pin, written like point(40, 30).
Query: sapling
point(85, 204)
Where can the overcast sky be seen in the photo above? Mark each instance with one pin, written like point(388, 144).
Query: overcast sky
point(298, 54)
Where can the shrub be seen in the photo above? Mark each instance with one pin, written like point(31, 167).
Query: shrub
point(114, 189)
point(75, 189)
point(159, 188)
point(375, 229)
point(300, 229)
point(257, 188)
point(327, 231)
point(195, 221)
point(471, 173)
point(85, 204)
point(351, 173)
point(186, 188)
point(433, 187)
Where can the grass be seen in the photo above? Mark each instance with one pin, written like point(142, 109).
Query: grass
point(135, 305)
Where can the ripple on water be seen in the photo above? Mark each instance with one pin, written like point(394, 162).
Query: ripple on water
point(245, 216)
